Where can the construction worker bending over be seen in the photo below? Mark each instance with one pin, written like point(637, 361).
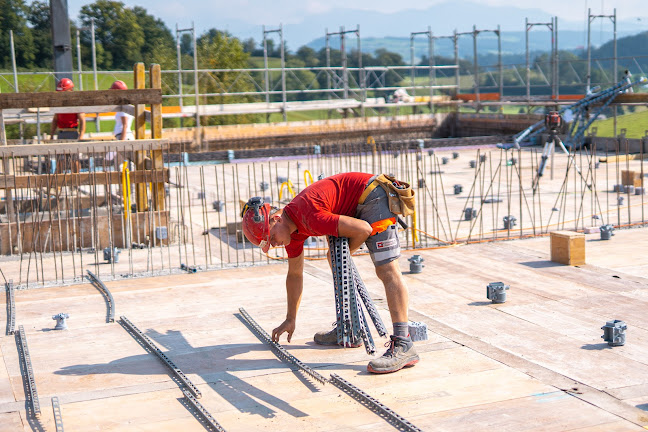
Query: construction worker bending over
point(344, 205)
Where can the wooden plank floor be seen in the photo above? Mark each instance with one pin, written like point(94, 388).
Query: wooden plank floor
point(534, 363)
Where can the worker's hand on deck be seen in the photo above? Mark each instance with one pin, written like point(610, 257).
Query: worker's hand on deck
point(288, 326)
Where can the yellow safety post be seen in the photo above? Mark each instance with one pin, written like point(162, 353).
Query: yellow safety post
point(288, 185)
point(414, 231)
point(306, 178)
point(126, 190)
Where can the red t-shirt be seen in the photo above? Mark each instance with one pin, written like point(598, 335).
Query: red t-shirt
point(67, 120)
point(316, 210)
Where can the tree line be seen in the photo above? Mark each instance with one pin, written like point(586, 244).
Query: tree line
point(126, 35)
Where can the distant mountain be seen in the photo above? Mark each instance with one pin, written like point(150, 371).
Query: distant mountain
point(443, 19)
point(513, 44)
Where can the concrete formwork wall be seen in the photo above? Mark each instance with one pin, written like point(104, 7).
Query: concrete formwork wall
point(618, 145)
point(65, 234)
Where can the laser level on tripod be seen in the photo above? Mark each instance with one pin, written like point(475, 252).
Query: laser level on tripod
point(553, 123)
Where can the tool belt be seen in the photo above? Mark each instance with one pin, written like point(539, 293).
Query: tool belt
point(399, 194)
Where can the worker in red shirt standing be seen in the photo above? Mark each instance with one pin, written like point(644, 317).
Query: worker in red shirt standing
point(70, 126)
point(343, 205)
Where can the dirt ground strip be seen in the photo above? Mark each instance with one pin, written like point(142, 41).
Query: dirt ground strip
point(534, 363)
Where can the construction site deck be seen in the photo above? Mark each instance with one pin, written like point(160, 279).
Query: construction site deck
point(534, 363)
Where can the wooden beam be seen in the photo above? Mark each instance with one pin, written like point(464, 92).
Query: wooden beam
point(80, 98)
point(79, 147)
point(631, 98)
point(32, 113)
point(139, 78)
point(76, 179)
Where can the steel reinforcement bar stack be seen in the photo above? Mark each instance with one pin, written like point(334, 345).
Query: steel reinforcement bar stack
point(349, 291)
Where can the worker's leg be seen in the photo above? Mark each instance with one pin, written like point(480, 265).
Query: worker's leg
point(395, 290)
point(401, 352)
point(384, 247)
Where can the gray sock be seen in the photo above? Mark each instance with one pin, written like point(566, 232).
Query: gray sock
point(401, 329)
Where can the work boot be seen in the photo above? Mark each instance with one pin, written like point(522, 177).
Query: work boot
point(401, 353)
point(330, 338)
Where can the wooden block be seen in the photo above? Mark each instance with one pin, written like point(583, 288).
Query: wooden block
point(568, 247)
point(631, 178)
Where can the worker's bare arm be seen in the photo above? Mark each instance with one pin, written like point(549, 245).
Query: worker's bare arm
point(82, 124)
point(294, 289)
point(356, 230)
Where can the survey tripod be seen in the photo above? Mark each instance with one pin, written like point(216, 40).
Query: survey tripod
point(585, 112)
point(553, 123)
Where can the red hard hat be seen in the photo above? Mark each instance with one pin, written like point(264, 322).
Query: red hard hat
point(119, 85)
point(65, 84)
point(256, 222)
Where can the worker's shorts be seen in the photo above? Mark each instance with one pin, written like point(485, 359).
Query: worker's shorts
point(384, 247)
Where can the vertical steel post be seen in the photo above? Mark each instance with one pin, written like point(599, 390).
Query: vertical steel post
point(456, 60)
point(94, 54)
point(15, 74)
point(283, 74)
point(412, 60)
point(499, 64)
point(528, 69)
point(94, 68)
point(265, 66)
point(363, 88)
point(60, 24)
point(345, 78)
point(13, 61)
point(195, 61)
point(589, 50)
point(476, 65)
point(432, 68)
point(328, 65)
point(616, 72)
point(78, 41)
point(557, 61)
point(179, 55)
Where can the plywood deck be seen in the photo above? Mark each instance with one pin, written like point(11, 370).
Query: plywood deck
point(534, 363)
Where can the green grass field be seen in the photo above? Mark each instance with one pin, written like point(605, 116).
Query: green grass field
point(635, 124)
